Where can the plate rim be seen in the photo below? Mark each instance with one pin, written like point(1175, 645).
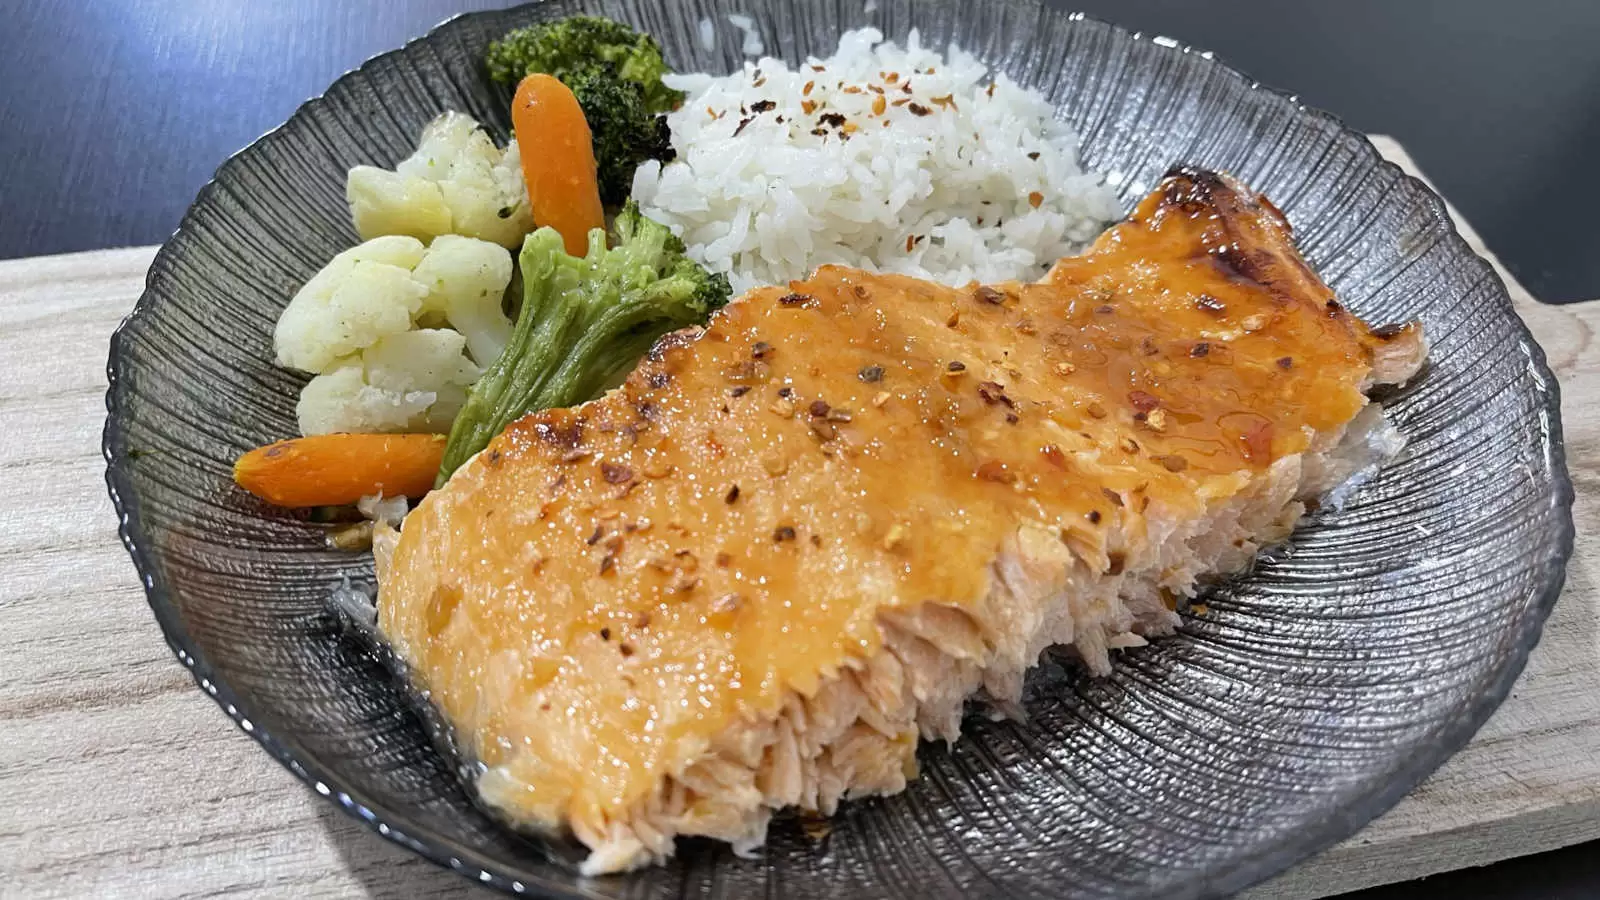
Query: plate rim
point(1264, 861)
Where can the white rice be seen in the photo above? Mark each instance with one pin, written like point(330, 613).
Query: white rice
point(942, 186)
point(752, 45)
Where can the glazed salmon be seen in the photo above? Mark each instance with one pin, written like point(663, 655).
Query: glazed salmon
point(794, 543)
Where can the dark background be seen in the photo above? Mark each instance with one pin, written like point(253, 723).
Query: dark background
point(113, 113)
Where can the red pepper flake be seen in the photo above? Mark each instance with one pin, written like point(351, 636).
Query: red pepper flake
point(808, 106)
point(625, 648)
point(892, 78)
point(595, 538)
point(739, 391)
point(783, 533)
point(806, 91)
point(870, 374)
point(917, 109)
point(994, 470)
point(989, 295)
point(1286, 362)
point(1200, 350)
point(761, 106)
point(901, 102)
point(956, 365)
point(608, 565)
point(1258, 441)
point(615, 473)
point(832, 120)
point(803, 300)
point(732, 495)
point(1142, 401)
point(1035, 199)
point(1174, 463)
point(760, 350)
point(1053, 455)
point(911, 242)
point(1390, 331)
point(743, 123)
point(1334, 309)
point(1093, 516)
point(819, 408)
point(1111, 495)
point(817, 68)
point(990, 91)
point(605, 634)
point(1033, 155)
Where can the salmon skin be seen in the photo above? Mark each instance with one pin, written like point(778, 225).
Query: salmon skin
point(792, 544)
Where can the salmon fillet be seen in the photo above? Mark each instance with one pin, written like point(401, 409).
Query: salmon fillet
point(796, 542)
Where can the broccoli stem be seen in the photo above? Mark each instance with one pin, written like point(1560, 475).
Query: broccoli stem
point(583, 322)
point(517, 381)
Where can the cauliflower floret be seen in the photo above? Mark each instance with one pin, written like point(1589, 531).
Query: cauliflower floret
point(365, 294)
point(408, 382)
point(356, 326)
point(383, 287)
point(466, 281)
point(458, 182)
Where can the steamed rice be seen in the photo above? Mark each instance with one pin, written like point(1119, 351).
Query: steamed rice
point(895, 159)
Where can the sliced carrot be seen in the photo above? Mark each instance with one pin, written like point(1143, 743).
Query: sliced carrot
point(335, 469)
point(558, 160)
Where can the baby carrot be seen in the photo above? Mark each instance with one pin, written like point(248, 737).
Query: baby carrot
point(557, 160)
point(335, 469)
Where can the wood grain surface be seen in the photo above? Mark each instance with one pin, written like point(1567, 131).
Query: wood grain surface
point(120, 778)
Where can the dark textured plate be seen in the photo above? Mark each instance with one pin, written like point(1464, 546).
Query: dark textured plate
point(1310, 698)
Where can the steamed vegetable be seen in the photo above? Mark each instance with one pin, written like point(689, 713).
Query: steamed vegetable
point(626, 133)
point(337, 469)
point(412, 381)
point(457, 182)
point(561, 181)
point(362, 296)
point(585, 45)
point(355, 325)
point(615, 72)
point(584, 321)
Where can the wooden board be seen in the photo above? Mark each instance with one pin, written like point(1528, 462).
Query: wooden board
point(119, 777)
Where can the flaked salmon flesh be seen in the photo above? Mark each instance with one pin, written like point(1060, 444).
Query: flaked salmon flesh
point(794, 543)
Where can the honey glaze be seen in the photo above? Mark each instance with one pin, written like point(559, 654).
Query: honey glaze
point(606, 589)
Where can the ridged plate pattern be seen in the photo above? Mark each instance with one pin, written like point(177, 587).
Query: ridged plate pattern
point(1310, 698)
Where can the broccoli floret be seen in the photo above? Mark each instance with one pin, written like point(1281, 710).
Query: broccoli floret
point(584, 45)
point(584, 322)
point(625, 132)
